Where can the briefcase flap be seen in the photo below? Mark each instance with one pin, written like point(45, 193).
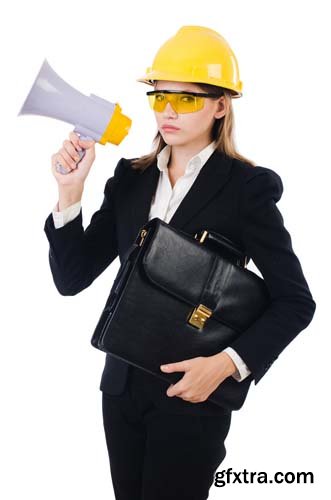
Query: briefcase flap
point(180, 265)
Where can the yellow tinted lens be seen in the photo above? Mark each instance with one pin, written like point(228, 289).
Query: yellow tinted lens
point(182, 103)
point(186, 103)
point(158, 101)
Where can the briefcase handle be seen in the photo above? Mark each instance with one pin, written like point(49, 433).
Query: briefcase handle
point(211, 239)
point(220, 243)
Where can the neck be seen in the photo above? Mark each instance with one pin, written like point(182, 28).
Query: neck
point(181, 154)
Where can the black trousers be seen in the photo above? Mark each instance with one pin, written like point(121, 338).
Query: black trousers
point(157, 454)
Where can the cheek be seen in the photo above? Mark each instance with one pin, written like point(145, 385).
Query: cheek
point(198, 121)
point(205, 119)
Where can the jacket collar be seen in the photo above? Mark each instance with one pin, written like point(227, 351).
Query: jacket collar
point(210, 180)
point(195, 163)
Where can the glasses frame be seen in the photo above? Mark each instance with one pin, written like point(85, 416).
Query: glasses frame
point(201, 94)
point(189, 93)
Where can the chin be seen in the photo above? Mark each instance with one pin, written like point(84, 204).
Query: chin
point(172, 140)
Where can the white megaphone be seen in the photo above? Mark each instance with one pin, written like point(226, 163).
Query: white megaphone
point(93, 117)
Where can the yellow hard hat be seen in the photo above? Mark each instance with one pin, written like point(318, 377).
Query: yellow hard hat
point(196, 54)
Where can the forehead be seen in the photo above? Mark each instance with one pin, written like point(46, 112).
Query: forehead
point(184, 86)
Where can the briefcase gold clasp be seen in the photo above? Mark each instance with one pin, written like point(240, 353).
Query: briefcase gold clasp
point(202, 237)
point(143, 233)
point(199, 316)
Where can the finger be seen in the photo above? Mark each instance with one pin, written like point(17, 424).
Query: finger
point(71, 150)
point(57, 167)
point(169, 367)
point(74, 138)
point(59, 159)
point(192, 399)
point(175, 390)
point(86, 144)
point(173, 367)
point(60, 169)
point(69, 161)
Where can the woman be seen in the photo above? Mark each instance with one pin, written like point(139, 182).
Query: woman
point(167, 442)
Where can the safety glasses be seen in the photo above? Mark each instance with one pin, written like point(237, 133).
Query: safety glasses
point(182, 102)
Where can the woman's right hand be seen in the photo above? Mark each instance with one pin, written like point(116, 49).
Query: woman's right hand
point(68, 157)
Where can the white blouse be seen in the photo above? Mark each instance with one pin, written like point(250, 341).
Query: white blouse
point(164, 204)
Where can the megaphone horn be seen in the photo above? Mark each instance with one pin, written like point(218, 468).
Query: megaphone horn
point(93, 117)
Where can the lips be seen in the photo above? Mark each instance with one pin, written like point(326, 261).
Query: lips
point(169, 127)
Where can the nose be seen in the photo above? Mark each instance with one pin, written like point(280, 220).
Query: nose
point(169, 110)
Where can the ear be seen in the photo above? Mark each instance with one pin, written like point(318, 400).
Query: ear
point(221, 108)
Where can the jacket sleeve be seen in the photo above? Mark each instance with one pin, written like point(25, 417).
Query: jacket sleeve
point(62, 217)
point(269, 244)
point(78, 257)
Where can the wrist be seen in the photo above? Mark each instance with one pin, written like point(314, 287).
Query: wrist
point(227, 363)
point(68, 196)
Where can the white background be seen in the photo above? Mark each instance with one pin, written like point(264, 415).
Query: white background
point(52, 441)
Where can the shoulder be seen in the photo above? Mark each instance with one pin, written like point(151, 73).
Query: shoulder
point(124, 167)
point(122, 173)
point(258, 180)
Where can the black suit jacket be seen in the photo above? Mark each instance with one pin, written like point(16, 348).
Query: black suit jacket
point(228, 196)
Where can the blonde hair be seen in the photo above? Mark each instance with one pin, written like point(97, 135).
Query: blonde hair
point(222, 133)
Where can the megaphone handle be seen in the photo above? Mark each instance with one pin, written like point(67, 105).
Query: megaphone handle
point(81, 153)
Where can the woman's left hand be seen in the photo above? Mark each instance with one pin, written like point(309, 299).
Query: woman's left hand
point(202, 376)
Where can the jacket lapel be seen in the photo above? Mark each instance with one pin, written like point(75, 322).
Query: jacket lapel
point(209, 181)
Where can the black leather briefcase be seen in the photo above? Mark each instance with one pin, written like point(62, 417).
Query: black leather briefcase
point(177, 297)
